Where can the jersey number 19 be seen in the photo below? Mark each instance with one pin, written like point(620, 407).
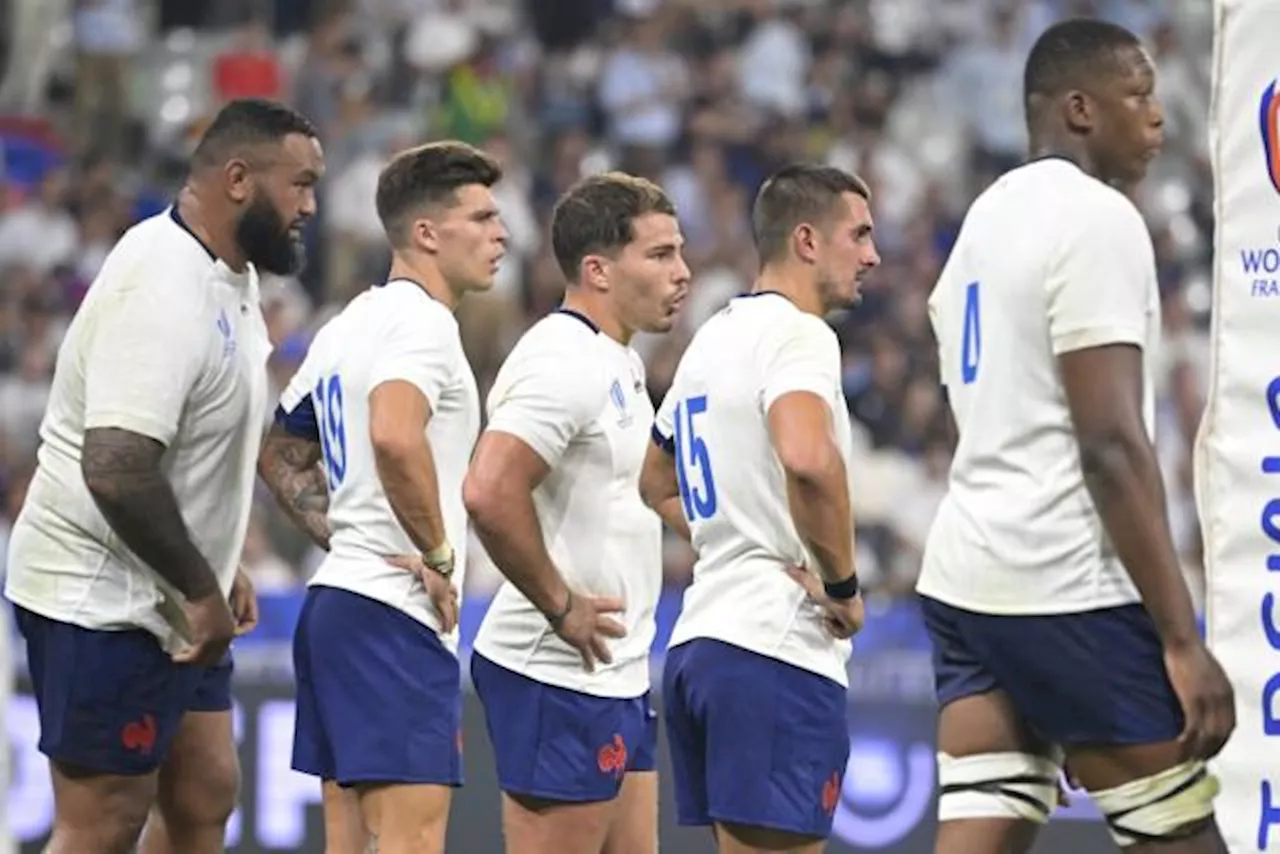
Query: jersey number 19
point(693, 460)
point(333, 432)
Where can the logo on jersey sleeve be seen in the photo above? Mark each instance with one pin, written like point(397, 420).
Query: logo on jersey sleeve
point(1269, 119)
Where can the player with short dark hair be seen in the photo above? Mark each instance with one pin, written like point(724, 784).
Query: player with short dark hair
point(1050, 586)
point(802, 193)
point(368, 453)
point(552, 495)
point(749, 460)
point(123, 562)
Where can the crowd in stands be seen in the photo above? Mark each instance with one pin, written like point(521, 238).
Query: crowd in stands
point(921, 97)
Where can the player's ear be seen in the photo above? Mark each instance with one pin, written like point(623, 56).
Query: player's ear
point(239, 180)
point(595, 272)
point(804, 241)
point(1078, 111)
point(424, 234)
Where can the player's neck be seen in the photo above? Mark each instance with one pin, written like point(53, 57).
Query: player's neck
point(593, 308)
point(426, 276)
point(1070, 150)
point(218, 237)
point(802, 293)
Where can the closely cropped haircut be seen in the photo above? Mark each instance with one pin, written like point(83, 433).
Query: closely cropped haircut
point(244, 123)
point(429, 176)
point(1071, 53)
point(796, 194)
point(597, 216)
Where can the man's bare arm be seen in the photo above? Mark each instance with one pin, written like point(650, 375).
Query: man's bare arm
point(660, 489)
point(817, 486)
point(498, 493)
point(1104, 392)
point(290, 467)
point(398, 417)
point(122, 471)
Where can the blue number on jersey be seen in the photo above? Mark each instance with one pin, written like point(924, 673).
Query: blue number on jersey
point(333, 432)
point(971, 344)
point(692, 457)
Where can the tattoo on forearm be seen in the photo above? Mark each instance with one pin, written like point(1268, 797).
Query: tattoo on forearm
point(123, 473)
point(290, 466)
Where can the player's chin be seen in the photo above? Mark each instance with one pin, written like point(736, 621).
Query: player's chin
point(848, 297)
point(481, 284)
point(662, 324)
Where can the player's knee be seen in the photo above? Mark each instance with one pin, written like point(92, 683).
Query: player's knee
point(206, 798)
point(997, 785)
point(1174, 804)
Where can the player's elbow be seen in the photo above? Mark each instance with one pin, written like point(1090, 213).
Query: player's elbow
point(113, 461)
point(392, 444)
point(482, 496)
point(1108, 456)
point(810, 461)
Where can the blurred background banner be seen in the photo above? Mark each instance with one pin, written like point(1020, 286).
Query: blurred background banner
point(1238, 453)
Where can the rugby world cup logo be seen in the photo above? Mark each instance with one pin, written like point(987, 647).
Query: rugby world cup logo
point(1269, 119)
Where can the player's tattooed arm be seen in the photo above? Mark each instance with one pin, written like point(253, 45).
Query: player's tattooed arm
point(290, 467)
point(123, 472)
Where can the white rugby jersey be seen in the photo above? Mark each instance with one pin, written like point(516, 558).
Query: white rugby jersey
point(578, 398)
point(714, 420)
point(1048, 260)
point(392, 332)
point(169, 343)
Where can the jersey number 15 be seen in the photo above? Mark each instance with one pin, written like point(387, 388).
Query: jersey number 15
point(333, 431)
point(693, 459)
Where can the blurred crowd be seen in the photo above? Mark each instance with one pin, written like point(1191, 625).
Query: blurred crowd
point(921, 97)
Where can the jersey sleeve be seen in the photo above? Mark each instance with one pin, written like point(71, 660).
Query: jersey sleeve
point(664, 426)
point(1099, 286)
point(546, 400)
point(800, 355)
point(150, 342)
point(296, 414)
point(420, 348)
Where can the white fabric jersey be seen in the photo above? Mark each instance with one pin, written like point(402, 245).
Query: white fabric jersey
point(1049, 260)
point(169, 343)
point(578, 399)
point(732, 484)
point(393, 332)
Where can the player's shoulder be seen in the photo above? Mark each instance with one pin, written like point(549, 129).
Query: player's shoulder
point(562, 334)
point(1058, 185)
point(401, 302)
point(780, 322)
point(564, 347)
point(165, 242)
point(161, 258)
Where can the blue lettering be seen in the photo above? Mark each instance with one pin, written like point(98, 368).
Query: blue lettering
point(693, 458)
point(971, 339)
point(333, 431)
point(1268, 810)
point(1270, 723)
point(1260, 260)
point(1265, 288)
point(1269, 627)
point(1268, 816)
